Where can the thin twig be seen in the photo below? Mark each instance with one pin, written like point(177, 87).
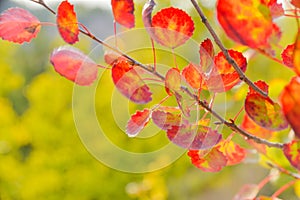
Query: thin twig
point(203, 104)
point(284, 171)
point(217, 40)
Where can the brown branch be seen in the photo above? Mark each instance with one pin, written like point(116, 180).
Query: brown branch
point(217, 40)
point(152, 70)
point(284, 171)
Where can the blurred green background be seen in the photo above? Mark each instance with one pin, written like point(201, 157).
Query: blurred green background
point(41, 155)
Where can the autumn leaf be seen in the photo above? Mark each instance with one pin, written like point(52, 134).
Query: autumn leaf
point(290, 101)
point(166, 117)
point(248, 22)
point(233, 152)
point(192, 76)
point(296, 54)
point(276, 9)
point(74, 65)
point(208, 160)
point(287, 56)
point(137, 122)
point(296, 3)
point(193, 137)
point(292, 153)
point(172, 27)
point(67, 23)
point(223, 76)
point(18, 25)
point(129, 83)
point(173, 81)
point(123, 12)
point(263, 111)
point(206, 55)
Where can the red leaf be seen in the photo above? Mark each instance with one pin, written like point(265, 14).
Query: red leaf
point(165, 117)
point(248, 191)
point(74, 65)
point(137, 122)
point(248, 22)
point(292, 153)
point(287, 55)
point(276, 9)
point(206, 55)
point(233, 152)
point(290, 101)
point(18, 25)
point(296, 54)
point(172, 27)
point(67, 23)
point(129, 83)
point(193, 137)
point(173, 81)
point(223, 76)
point(263, 111)
point(123, 12)
point(208, 160)
point(192, 76)
point(296, 3)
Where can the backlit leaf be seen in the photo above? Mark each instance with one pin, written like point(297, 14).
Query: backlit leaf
point(223, 76)
point(165, 117)
point(208, 160)
point(206, 55)
point(263, 111)
point(296, 3)
point(193, 137)
point(172, 27)
point(129, 83)
point(123, 12)
point(137, 122)
point(248, 191)
point(18, 25)
point(74, 65)
point(276, 9)
point(248, 22)
point(173, 81)
point(192, 76)
point(233, 152)
point(292, 153)
point(287, 56)
point(296, 54)
point(290, 101)
point(67, 23)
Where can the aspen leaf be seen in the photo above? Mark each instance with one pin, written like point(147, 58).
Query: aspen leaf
point(292, 153)
point(165, 117)
point(287, 56)
point(173, 81)
point(137, 122)
point(192, 76)
point(123, 12)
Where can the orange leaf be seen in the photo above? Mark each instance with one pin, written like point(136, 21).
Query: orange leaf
point(248, 22)
point(233, 152)
point(123, 12)
point(193, 137)
point(263, 111)
point(287, 55)
point(173, 81)
point(296, 54)
point(206, 55)
point(137, 122)
point(290, 101)
point(67, 22)
point(165, 118)
point(208, 160)
point(18, 25)
point(129, 83)
point(223, 76)
point(292, 153)
point(172, 27)
point(296, 3)
point(74, 65)
point(192, 76)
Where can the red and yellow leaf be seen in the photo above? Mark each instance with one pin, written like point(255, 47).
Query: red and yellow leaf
point(208, 160)
point(123, 12)
point(165, 118)
point(263, 111)
point(129, 83)
point(287, 56)
point(207, 54)
point(296, 54)
point(292, 153)
point(137, 122)
point(67, 23)
point(173, 81)
point(290, 101)
point(223, 76)
point(193, 137)
point(172, 27)
point(254, 16)
point(74, 65)
point(233, 152)
point(18, 25)
point(192, 76)
point(276, 9)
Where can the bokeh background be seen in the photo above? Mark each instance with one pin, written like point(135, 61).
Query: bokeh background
point(41, 154)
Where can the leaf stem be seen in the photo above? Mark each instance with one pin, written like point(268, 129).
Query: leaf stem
point(232, 62)
point(282, 189)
